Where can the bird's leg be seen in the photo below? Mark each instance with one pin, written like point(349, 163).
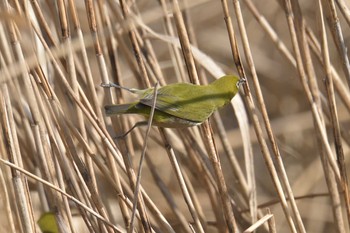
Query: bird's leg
point(140, 123)
point(109, 85)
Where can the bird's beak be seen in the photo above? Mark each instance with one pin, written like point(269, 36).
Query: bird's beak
point(240, 82)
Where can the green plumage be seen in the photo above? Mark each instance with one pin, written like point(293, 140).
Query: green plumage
point(181, 104)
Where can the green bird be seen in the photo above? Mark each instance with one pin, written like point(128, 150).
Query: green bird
point(179, 105)
point(47, 223)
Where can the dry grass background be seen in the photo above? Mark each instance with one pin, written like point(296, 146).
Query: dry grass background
point(280, 154)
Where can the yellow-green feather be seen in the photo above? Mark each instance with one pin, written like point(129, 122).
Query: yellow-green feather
point(181, 104)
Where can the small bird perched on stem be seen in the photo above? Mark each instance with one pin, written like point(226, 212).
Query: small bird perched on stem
point(178, 105)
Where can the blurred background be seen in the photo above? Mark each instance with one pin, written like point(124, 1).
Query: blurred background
point(54, 56)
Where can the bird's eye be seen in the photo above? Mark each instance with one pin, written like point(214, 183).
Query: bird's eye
point(240, 82)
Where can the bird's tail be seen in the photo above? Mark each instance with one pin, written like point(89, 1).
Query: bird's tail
point(117, 109)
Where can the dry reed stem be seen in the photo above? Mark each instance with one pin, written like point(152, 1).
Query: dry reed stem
point(5, 193)
point(255, 120)
point(339, 86)
point(131, 174)
point(81, 167)
point(299, 50)
point(180, 178)
point(271, 222)
point(19, 182)
point(61, 192)
point(208, 137)
point(262, 106)
point(344, 10)
point(260, 222)
point(109, 96)
point(333, 111)
point(167, 194)
point(335, 28)
point(205, 176)
point(144, 147)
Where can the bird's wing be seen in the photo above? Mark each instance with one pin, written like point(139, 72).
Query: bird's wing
point(186, 101)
